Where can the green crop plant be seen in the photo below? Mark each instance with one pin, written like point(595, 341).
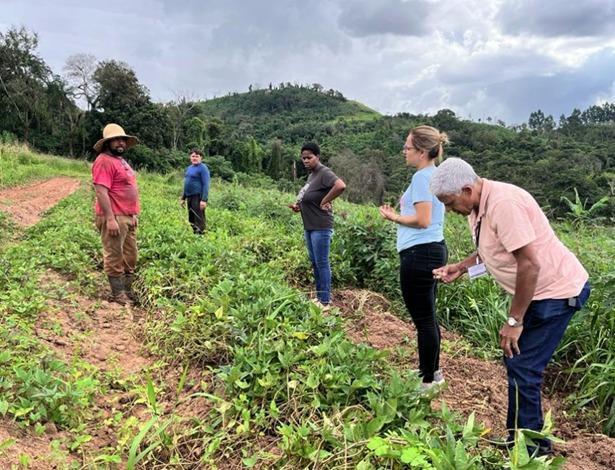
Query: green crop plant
point(287, 389)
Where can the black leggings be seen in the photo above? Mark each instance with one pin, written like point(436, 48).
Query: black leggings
point(418, 288)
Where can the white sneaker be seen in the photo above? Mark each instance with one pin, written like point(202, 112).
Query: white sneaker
point(438, 382)
point(323, 307)
point(438, 377)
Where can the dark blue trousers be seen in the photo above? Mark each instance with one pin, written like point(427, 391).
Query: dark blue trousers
point(544, 324)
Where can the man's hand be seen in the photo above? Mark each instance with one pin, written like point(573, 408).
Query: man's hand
point(203, 205)
point(182, 202)
point(295, 207)
point(448, 273)
point(509, 340)
point(113, 229)
point(326, 206)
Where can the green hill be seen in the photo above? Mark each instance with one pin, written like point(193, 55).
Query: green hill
point(292, 113)
point(364, 147)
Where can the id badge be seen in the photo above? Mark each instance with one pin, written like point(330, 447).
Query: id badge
point(476, 271)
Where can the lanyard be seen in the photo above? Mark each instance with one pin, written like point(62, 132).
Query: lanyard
point(477, 232)
point(477, 239)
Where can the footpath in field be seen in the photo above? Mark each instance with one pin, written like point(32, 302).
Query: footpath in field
point(102, 334)
point(473, 385)
point(76, 327)
point(26, 204)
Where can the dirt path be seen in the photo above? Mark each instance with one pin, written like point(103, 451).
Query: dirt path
point(473, 385)
point(26, 204)
point(104, 335)
point(74, 326)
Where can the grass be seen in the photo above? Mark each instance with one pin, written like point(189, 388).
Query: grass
point(19, 165)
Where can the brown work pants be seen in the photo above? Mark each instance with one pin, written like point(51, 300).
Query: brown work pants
point(119, 252)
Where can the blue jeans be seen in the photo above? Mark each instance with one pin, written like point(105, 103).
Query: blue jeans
point(544, 324)
point(318, 243)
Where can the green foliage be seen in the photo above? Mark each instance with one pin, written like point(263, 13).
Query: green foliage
point(579, 212)
point(7, 227)
point(363, 254)
point(220, 167)
point(35, 386)
point(281, 369)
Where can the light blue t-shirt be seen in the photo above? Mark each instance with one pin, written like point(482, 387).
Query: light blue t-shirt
point(418, 191)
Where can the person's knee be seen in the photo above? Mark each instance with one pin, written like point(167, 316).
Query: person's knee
point(322, 264)
point(521, 375)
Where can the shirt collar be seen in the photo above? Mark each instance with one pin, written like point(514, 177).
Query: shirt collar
point(317, 167)
point(484, 195)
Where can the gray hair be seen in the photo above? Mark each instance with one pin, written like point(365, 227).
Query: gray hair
point(451, 176)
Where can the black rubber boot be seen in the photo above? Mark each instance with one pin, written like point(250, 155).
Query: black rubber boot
point(117, 290)
point(128, 280)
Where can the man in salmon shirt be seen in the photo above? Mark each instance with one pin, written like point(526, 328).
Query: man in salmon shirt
point(517, 246)
point(117, 208)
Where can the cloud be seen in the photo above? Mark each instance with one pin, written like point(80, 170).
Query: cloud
point(398, 17)
point(513, 97)
point(472, 56)
point(550, 18)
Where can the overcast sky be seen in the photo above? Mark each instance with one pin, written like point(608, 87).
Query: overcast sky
point(480, 58)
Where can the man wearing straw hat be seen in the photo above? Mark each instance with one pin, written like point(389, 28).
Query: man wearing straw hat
point(117, 208)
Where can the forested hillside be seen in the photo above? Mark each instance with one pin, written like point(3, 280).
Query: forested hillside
point(257, 134)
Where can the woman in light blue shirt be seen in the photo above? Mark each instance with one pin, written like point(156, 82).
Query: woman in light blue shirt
point(421, 247)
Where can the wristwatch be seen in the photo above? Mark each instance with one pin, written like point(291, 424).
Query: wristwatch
point(512, 321)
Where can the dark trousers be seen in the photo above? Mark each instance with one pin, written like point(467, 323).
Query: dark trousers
point(196, 215)
point(418, 288)
point(544, 324)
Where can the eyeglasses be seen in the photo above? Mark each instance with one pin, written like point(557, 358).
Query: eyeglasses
point(409, 147)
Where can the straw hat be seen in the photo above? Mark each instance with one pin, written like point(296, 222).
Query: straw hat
point(112, 131)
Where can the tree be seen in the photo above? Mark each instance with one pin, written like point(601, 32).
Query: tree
point(549, 124)
point(536, 120)
point(215, 131)
point(363, 175)
point(121, 98)
point(178, 110)
point(252, 156)
point(79, 73)
point(23, 81)
point(196, 132)
point(118, 90)
point(445, 119)
point(274, 168)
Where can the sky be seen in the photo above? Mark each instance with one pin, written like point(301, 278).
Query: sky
point(501, 59)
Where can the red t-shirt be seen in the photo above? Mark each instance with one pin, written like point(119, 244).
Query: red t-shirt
point(115, 174)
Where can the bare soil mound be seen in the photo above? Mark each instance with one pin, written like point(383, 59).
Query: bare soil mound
point(473, 385)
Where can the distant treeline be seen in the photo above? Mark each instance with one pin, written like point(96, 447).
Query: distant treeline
point(256, 135)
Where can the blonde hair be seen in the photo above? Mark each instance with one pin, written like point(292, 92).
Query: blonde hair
point(430, 140)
